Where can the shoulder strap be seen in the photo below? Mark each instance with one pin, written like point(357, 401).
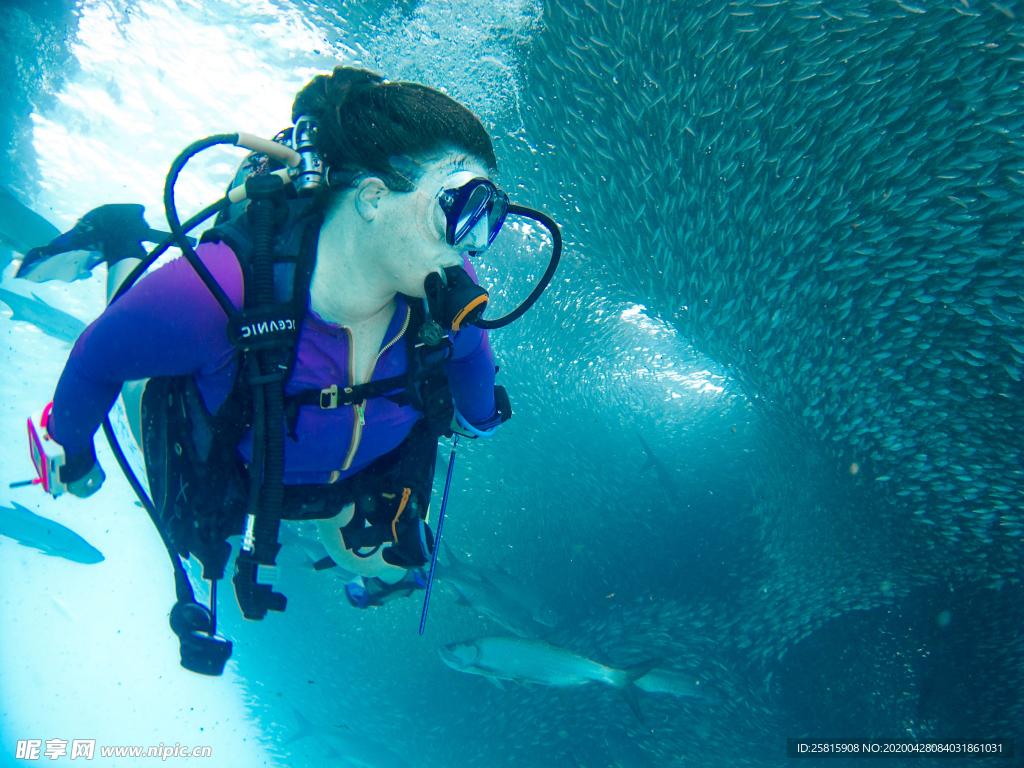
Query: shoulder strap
point(234, 417)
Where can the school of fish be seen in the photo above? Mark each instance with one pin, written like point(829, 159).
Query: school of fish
point(827, 199)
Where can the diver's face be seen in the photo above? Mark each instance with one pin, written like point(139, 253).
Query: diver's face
point(417, 245)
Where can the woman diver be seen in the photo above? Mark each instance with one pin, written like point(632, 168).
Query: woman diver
point(381, 359)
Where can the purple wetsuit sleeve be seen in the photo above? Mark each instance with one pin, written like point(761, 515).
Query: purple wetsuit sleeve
point(168, 324)
point(471, 375)
point(471, 370)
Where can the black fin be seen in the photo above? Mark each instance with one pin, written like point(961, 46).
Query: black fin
point(324, 563)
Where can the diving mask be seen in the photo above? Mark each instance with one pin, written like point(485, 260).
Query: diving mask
point(470, 211)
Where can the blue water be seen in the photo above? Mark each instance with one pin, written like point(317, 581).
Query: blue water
point(827, 548)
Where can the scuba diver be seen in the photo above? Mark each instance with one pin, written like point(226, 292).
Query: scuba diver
point(301, 362)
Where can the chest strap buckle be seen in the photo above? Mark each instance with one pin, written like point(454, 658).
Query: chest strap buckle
point(329, 397)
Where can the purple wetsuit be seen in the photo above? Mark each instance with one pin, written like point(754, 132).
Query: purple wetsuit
point(169, 324)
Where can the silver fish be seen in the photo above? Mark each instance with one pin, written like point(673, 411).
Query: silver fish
point(535, 661)
point(347, 745)
point(535, 604)
point(50, 320)
point(49, 537)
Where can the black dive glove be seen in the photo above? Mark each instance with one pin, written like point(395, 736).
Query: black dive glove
point(82, 474)
point(503, 412)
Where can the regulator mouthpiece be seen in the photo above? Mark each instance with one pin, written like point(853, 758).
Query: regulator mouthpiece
point(454, 300)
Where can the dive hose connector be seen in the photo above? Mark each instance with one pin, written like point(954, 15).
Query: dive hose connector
point(285, 154)
point(256, 597)
point(461, 425)
point(305, 169)
point(309, 174)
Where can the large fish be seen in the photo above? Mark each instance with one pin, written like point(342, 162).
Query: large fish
point(349, 747)
point(471, 576)
point(665, 478)
point(485, 598)
point(49, 320)
point(524, 661)
point(49, 537)
point(314, 555)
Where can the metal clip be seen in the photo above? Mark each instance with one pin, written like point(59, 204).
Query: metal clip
point(249, 538)
point(329, 397)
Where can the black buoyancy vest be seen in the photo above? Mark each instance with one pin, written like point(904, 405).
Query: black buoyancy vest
point(423, 386)
point(209, 466)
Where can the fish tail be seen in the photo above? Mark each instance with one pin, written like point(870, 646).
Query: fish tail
point(306, 728)
point(451, 555)
point(624, 680)
point(650, 454)
point(637, 671)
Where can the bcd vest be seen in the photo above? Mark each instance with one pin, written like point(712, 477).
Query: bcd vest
point(202, 488)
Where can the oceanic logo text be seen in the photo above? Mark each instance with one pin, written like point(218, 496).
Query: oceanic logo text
point(270, 326)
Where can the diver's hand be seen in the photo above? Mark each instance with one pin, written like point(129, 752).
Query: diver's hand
point(82, 474)
point(86, 486)
point(502, 413)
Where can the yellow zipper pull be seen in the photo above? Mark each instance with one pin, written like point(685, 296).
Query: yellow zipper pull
point(360, 409)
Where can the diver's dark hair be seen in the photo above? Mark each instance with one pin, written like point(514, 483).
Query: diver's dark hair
point(364, 123)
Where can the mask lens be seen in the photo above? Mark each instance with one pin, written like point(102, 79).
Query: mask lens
point(496, 216)
point(471, 211)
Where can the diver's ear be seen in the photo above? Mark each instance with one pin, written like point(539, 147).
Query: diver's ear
point(368, 195)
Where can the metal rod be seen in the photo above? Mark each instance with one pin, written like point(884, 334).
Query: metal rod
point(213, 607)
point(437, 539)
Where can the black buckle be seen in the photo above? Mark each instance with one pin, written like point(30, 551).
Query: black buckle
point(329, 397)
